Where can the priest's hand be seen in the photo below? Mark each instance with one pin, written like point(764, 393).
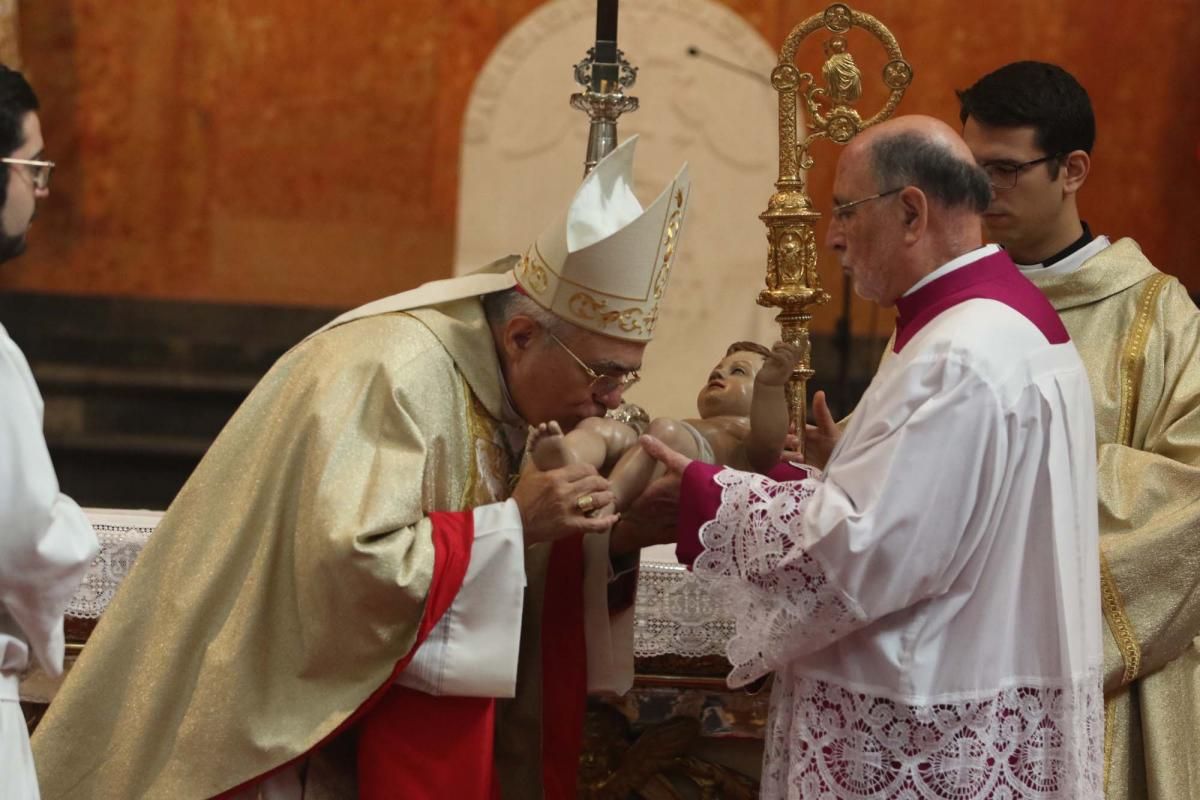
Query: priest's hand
point(821, 438)
point(791, 446)
point(651, 518)
point(556, 503)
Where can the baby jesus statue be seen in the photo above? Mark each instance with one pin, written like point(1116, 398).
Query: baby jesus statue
point(743, 424)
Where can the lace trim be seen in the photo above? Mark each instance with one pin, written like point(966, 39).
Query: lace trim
point(677, 614)
point(825, 742)
point(779, 595)
point(120, 545)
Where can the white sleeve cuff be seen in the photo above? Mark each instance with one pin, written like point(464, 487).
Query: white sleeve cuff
point(472, 650)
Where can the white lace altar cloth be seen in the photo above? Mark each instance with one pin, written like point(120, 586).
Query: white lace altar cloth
point(676, 613)
point(122, 535)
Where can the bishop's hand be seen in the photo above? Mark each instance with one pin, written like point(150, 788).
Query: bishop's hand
point(555, 503)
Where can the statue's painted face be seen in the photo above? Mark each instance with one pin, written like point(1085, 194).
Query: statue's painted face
point(730, 386)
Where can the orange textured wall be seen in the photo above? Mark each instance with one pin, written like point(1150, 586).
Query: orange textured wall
point(290, 151)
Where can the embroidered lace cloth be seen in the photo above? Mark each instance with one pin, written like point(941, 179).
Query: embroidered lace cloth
point(122, 535)
point(825, 742)
point(771, 585)
point(677, 613)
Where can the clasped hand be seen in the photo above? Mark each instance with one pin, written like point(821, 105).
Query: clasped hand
point(555, 503)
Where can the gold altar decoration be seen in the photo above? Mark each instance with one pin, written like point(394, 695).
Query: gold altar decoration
point(793, 283)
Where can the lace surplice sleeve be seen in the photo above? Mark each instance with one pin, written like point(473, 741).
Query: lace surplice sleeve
point(891, 523)
point(773, 586)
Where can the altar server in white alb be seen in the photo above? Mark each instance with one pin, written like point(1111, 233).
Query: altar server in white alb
point(929, 604)
point(46, 542)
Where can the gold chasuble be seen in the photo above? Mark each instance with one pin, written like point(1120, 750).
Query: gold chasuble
point(1139, 335)
point(288, 579)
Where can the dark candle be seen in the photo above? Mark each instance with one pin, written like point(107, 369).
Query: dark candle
point(606, 20)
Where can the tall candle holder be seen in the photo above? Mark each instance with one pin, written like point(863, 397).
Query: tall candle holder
point(605, 74)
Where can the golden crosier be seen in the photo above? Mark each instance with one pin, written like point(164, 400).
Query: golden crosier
point(793, 282)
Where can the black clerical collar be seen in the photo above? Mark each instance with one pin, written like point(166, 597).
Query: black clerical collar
point(1075, 246)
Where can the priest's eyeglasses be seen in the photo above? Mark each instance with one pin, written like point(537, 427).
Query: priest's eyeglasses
point(841, 212)
point(1004, 174)
point(38, 171)
point(601, 384)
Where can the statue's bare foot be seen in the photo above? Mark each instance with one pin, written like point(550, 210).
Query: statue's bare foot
point(547, 446)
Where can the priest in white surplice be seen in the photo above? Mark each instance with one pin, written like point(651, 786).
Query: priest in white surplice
point(929, 604)
point(46, 542)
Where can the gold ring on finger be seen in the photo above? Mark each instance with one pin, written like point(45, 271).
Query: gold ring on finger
point(585, 503)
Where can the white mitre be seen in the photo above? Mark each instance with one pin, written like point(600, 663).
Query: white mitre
point(604, 264)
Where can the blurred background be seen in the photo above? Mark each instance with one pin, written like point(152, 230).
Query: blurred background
point(232, 174)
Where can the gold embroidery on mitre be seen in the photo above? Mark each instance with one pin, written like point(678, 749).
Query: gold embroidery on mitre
point(631, 320)
point(670, 236)
point(534, 271)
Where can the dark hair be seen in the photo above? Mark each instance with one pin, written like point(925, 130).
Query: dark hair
point(1044, 96)
point(16, 100)
point(908, 159)
point(748, 347)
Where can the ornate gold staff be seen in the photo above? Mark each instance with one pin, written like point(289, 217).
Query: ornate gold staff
point(793, 283)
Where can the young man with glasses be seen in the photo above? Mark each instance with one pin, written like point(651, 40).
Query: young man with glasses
point(46, 542)
point(1031, 126)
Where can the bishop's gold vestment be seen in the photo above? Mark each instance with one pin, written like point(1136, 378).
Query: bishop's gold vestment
point(287, 579)
point(1139, 335)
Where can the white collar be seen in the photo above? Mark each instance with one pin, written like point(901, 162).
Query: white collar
point(1071, 262)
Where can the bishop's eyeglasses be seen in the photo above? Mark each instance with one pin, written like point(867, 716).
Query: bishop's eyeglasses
point(38, 171)
point(601, 384)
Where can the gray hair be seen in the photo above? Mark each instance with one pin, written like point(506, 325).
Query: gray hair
point(500, 307)
point(908, 159)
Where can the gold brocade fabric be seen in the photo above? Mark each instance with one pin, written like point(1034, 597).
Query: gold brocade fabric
point(1138, 333)
point(288, 577)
